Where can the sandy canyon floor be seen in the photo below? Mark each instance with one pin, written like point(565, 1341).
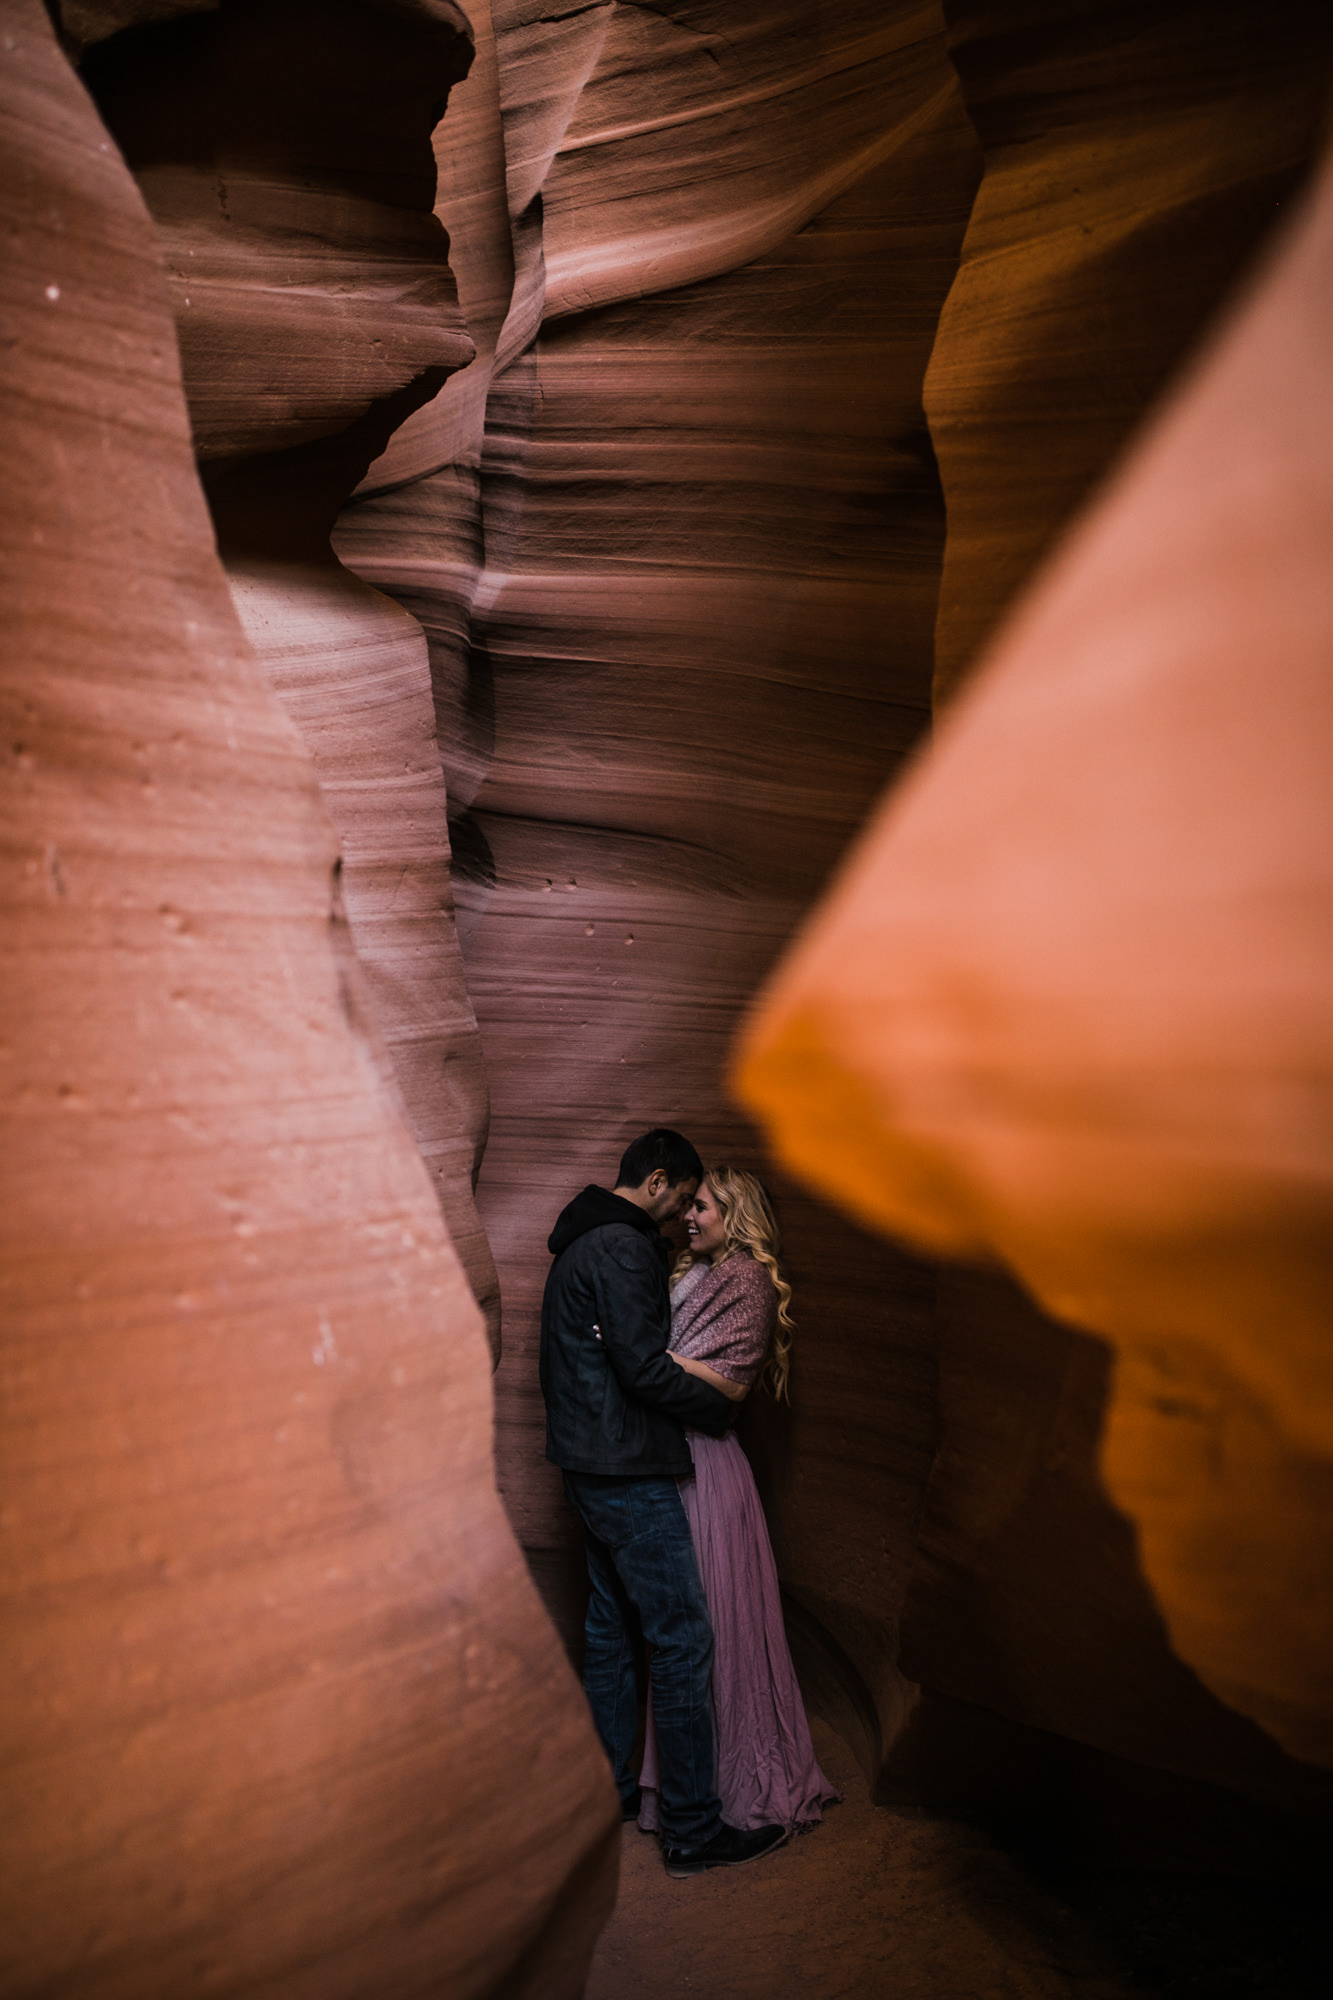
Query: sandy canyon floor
point(884, 1903)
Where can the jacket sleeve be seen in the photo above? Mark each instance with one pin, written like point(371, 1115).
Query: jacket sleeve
point(634, 1318)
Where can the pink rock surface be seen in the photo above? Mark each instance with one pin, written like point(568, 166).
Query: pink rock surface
point(285, 153)
point(273, 1670)
point(672, 591)
point(350, 667)
point(676, 650)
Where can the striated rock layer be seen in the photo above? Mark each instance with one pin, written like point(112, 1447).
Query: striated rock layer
point(275, 1681)
point(676, 568)
point(1099, 242)
point(676, 652)
point(1068, 1005)
point(1134, 157)
point(285, 153)
point(640, 611)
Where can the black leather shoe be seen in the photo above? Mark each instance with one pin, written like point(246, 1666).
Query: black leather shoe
point(629, 1808)
point(729, 1848)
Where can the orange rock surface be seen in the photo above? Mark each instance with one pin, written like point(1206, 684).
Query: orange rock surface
point(1133, 160)
point(1069, 1002)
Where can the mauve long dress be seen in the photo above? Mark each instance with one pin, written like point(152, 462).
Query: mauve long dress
point(767, 1772)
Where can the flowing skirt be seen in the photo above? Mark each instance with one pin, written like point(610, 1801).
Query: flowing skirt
point(767, 1774)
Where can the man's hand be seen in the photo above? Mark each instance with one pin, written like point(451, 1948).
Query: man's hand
point(736, 1391)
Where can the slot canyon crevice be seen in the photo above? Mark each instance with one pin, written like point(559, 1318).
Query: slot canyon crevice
point(741, 564)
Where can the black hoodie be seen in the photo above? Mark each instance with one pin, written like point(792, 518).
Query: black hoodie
point(615, 1403)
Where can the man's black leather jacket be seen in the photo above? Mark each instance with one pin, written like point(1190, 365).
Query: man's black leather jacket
point(615, 1403)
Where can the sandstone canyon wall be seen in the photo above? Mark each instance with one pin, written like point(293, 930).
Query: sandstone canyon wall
point(675, 580)
point(1065, 1004)
point(275, 1679)
point(1134, 159)
point(798, 335)
point(1100, 242)
point(678, 645)
point(285, 154)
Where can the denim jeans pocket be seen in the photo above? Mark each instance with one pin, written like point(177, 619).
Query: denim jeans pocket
point(604, 1505)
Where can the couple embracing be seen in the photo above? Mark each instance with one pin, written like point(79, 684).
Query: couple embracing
point(642, 1367)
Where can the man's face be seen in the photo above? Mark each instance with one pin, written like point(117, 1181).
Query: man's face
point(667, 1203)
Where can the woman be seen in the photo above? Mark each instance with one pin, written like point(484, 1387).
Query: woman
point(729, 1317)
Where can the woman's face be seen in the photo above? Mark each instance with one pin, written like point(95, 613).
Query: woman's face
point(703, 1224)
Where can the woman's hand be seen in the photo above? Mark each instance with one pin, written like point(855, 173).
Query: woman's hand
point(737, 1391)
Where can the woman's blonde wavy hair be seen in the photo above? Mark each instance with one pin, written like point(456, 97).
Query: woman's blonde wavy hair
point(749, 1224)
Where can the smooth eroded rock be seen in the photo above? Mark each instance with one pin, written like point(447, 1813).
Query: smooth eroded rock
point(684, 642)
point(280, 1709)
point(285, 152)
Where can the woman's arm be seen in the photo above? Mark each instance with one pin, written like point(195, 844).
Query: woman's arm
point(736, 1390)
point(632, 1323)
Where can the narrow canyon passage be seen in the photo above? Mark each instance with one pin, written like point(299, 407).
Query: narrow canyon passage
point(737, 564)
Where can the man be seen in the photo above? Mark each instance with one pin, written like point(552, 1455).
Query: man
point(616, 1405)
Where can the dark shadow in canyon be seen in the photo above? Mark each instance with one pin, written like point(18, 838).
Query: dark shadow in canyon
point(1051, 1690)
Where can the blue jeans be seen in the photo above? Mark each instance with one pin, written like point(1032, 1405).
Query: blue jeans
point(640, 1554)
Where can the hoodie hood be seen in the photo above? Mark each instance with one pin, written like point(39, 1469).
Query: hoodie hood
point(593, 1209)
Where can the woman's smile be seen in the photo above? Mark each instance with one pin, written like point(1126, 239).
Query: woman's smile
point(704, 1225)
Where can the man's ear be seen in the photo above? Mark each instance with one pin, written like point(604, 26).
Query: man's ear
point(657, 1183)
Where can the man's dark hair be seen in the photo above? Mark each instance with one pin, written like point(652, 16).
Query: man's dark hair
point(659, 1148)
